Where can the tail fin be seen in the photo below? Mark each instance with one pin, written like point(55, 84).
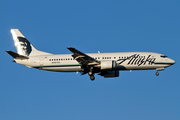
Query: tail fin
point(23, 46)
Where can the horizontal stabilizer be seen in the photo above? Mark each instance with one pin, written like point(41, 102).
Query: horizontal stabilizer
point(16, 56)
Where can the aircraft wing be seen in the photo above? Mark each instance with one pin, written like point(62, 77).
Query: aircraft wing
point(82, 58)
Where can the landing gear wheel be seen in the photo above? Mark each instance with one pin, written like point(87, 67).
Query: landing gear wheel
point(90, 73)
point(92, 77)
point(157, 73)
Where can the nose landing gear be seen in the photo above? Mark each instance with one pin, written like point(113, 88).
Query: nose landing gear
point(157, 73)
point(158, 69)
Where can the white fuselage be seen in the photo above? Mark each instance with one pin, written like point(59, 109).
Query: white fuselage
point(123, 60)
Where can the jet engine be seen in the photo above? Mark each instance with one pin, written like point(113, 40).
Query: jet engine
point(108, 65)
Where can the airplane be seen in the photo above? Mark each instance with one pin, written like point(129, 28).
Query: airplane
point(107, 65)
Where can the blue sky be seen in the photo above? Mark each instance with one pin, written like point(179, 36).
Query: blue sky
point(90, 26)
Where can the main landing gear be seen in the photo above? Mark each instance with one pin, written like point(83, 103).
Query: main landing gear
point(91, 74)
point(92, 77)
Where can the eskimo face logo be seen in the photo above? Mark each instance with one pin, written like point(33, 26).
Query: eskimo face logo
point(136, 59)
point(25, 46)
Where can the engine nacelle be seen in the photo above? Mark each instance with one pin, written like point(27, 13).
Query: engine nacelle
point(108, 65)
point(108, 74)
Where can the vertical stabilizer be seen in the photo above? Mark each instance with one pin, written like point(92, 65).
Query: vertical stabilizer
point(23, 46)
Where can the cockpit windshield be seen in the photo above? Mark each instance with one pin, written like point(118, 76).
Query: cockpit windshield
point(163, 56)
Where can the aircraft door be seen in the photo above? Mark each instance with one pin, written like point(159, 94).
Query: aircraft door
point(41, 61)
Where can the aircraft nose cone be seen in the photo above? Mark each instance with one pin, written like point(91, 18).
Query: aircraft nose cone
point(173, 62)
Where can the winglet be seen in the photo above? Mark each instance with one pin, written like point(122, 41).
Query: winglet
point(16, 56)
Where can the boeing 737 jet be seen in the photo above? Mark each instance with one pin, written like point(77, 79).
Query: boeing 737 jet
point(104, 64)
